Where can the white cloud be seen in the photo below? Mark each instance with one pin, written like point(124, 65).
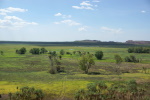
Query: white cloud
point(143, 11)
point(11, 10)
point(58, 14)
point(85, 5)
point(68, 22)
point(13, 18)
point(82, 28)
point(111, 30)
point(63, 16)
point(14, 22)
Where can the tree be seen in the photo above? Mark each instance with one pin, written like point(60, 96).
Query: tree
point(85, 62)
point(43, 50)
point(118, 62)
point(99, 55)
point(55, 63)
point(118, 59)
point(2, 53)
point(62, 52)
point(21, 51)
point(35, 51)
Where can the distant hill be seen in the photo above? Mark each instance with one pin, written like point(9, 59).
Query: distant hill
point(138, 42)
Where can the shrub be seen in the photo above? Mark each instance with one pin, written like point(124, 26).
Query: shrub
point(118, 59)
point(131, 58)
point(43, 50)
point(28, 93)
point(62, 52)
point(117, 91)
point(99, 55)
point(35, 51)
point(21, 51)
point(139, 50)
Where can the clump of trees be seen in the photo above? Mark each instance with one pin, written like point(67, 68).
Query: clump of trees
point(99, 55)
point(85, 62)
point(21, 50)
point(118, 91)
point(27, 93)
point(38, 50)
point(55, 63)
point(138, 50)
point(131, 58)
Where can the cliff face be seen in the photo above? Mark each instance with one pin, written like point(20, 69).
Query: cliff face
point(138, 42)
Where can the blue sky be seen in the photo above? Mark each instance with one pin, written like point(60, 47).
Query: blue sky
point(70, 20)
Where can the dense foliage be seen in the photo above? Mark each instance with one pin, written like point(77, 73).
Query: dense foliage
point(139, 50)
point(117, 91)
point(21, 51)
point(27, 93)
point(118, 59)
point(131, 58)
point(99, 55)
point(38, 50)
point(85, 62)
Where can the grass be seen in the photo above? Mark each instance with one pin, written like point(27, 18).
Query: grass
point(32, 70)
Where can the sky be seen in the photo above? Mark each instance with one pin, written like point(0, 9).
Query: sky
point(70, 20)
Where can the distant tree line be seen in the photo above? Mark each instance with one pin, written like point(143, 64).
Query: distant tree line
point(138, 50)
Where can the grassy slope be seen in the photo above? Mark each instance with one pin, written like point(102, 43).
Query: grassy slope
point(32, 70)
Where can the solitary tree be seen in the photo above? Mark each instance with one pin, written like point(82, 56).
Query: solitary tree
point(2, 52)
point(118, 59)
point(62, 52)
point(99, 55)
point(118, 62)
point(85, 62)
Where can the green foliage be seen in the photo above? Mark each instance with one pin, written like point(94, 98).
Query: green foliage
point(62, 52)
point(1, 52)
point(38, 51)
point(118, 59)
point(21, 51)
point(99, 55)
point(35, 51)
point(139, 50)
point(85, 62)
point(43, 50)
point(28, 93)
point(117, 91)
point(131, 58)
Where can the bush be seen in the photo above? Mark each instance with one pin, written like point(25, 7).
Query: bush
point(43, 50)
point(28, 93)
point(131, 58)
point(139, 50)
point(118, 59)
point(62, 52)
point(21, 51)
point(35, 51)
point(117, 91)
point(99, 55)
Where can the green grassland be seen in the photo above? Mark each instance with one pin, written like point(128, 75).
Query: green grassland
point(33, 70)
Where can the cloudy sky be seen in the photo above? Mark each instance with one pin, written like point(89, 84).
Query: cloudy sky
point(69, 20)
